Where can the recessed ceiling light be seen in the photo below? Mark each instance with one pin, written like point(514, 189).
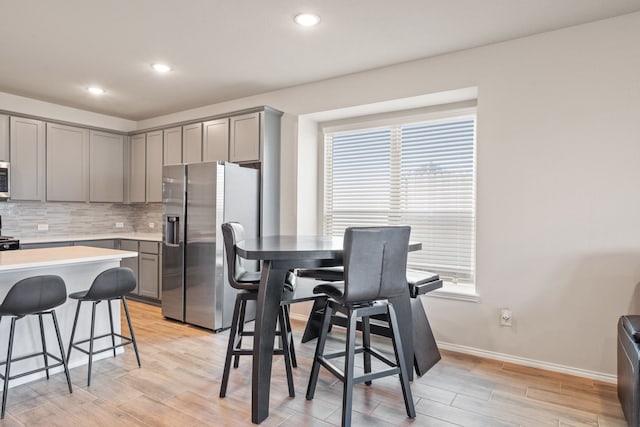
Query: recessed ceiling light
point(307, 19)
point(161, 68)
point(95, 90)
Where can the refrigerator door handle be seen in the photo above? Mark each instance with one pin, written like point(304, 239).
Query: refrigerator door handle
point(172, 236)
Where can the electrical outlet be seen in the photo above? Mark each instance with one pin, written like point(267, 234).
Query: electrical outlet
point(152, 225)
point(43, 227)
point(506, 317)
point(119, 224)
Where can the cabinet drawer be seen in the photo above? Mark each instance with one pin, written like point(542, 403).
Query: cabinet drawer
point(149, 247)
point(129, 245)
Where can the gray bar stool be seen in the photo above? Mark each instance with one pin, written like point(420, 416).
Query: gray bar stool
point(36, 295)
point(375, 263)
point(112, 284)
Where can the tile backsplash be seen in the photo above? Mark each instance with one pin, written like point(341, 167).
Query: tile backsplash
point(21, 219)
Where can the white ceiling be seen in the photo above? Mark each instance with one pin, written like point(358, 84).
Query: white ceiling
point(227, 49)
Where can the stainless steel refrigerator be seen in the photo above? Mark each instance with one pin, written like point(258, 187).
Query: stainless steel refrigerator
point(197, 198)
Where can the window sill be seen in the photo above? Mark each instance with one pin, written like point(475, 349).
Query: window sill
point(455, 292)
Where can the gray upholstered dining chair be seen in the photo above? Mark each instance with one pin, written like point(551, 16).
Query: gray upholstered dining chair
point(375, 263)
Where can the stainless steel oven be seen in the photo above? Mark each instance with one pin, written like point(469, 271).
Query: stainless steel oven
point(5, 173)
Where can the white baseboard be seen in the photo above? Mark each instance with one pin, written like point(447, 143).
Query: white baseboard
point(529, 362)
point(607, 378)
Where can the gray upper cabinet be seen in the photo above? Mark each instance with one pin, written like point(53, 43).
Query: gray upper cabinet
point(192, 143)
point(27, 145)
point(154, 166)
point(4, 138)
point(215, 142)
point(137, 169)
point(106, 167)
point(173, 146)
point(67, 163)
point(244, 142)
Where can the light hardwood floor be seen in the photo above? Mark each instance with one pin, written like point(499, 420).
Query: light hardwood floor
point(179, 381)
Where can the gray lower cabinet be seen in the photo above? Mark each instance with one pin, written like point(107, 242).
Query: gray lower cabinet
point(45, 245)
point(101, 243)
point(132, 263)
point(146, 267)
point(148, 262)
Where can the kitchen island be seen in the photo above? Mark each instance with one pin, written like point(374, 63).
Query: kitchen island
point(78, 266)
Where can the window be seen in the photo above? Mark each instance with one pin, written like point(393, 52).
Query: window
point(419, 173)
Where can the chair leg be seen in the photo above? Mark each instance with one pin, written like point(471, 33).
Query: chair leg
point(292, 349)
point(397, 349)
point(349, 362)
point(322, 339)
point(44, 345)
point(73, 330)
point(366, 343)
point(284, 343)
point(230, 346)
point(113, 336)
point(240, 332)
point(65, 361)
point(7, 370)
point(93, 324)
point(133, 336)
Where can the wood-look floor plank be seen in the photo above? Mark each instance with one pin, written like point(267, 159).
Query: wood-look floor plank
point(179, 382)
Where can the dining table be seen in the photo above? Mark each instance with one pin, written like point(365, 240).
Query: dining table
point(280, 254)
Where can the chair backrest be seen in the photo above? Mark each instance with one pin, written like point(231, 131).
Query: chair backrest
point(34, 294)
point(375, 262)
point(112, 283)
point(232, 233)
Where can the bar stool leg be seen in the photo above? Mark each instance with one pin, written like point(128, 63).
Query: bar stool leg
point(366, 343)
point(284, 343)
point(397, 348)
point(44, 345)
point(93, 324)
point(133, 337)
point(349, 361)
point(113, 336)
point(73, 330)
point(292, 348)
point(315, 368)
point(65, 361)
point(230, 345)
point(240, 332)
point(7, 370)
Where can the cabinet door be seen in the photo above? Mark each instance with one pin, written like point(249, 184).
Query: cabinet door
point(192, 143)
point(27, 159)
point(215, 143)
point(106, 167)
point(132, 263)
point(4, 138)
point(244, 145)
point(137, 173)
point(67, 163)
point(154, 166)
point(173, 146)
point(148, 275)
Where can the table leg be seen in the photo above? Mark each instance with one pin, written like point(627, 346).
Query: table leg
point(402, 306)
point(267, 308)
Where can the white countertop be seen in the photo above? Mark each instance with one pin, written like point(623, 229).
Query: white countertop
point(46, 257)
point(153, 237)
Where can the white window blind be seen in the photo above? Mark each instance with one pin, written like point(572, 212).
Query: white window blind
point(419, 174)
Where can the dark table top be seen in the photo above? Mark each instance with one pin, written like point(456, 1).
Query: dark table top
point(296, 247)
